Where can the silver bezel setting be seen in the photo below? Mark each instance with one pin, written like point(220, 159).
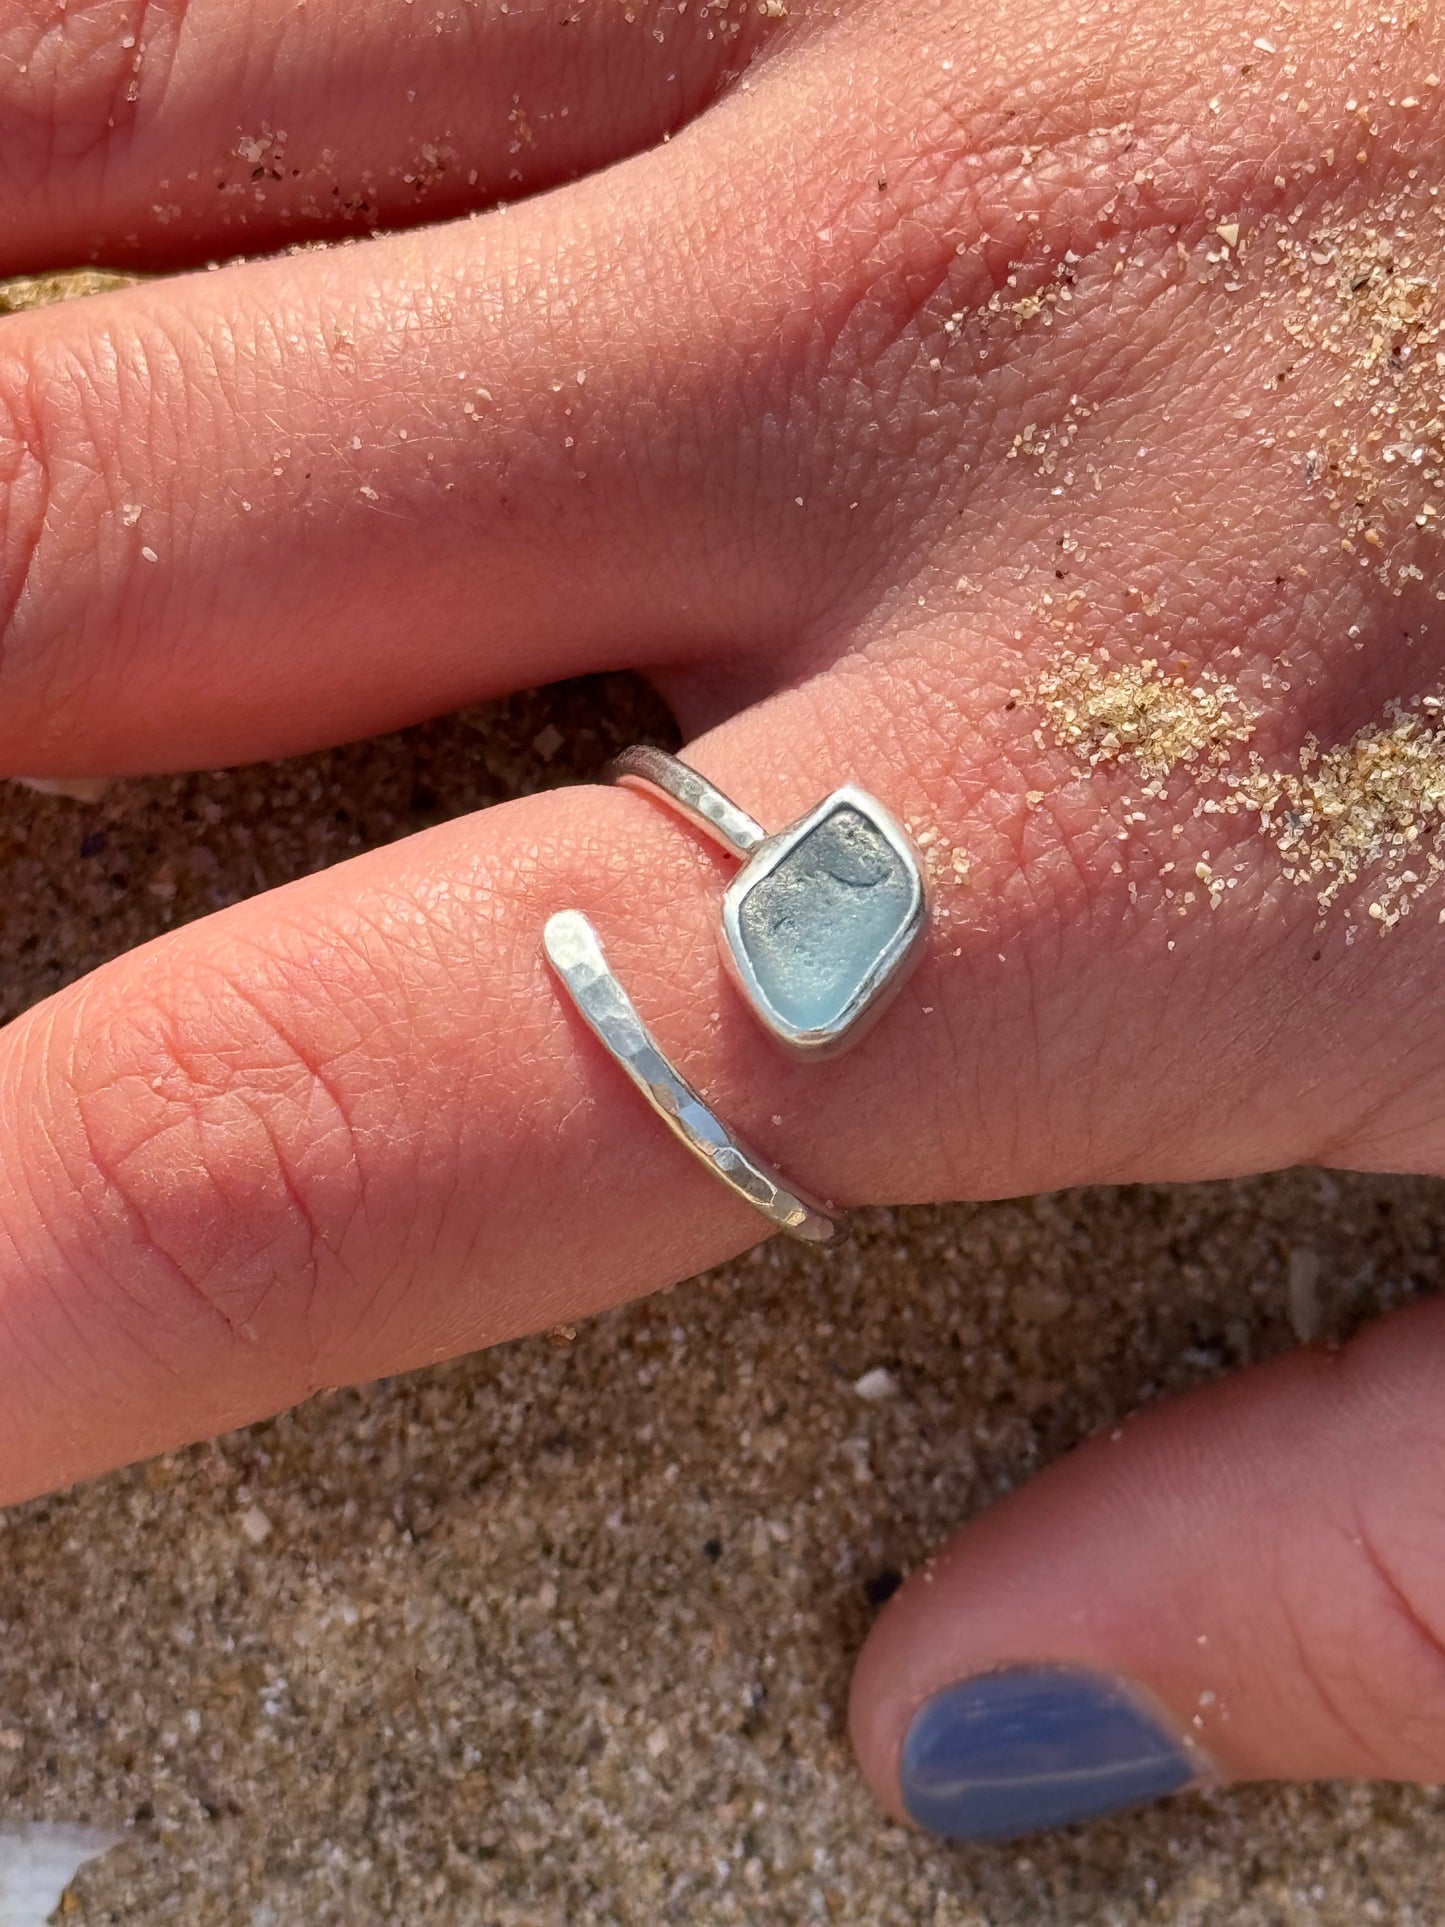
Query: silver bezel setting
point(894, 962)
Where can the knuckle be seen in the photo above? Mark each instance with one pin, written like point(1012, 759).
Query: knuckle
point(76, 80)
point(1365, 1597)
point(222, 1159)
point(51, 476)
point(1408, 1578)
point(1370, 1656)
point(25, 487)
point(89, 424)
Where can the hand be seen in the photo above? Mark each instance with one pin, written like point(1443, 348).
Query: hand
point(932, 358)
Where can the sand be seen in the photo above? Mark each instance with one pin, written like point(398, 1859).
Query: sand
point(561, 1634)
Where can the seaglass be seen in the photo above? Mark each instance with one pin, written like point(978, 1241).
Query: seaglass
point(822, 919)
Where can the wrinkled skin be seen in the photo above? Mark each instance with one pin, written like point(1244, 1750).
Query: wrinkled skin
point(757, 409)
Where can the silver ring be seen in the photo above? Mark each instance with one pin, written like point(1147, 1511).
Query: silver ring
point(705, 807)
point(820, 927)
point(824, 921)
point(575, 952)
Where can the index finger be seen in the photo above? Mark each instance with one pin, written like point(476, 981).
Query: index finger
point(353, 1127)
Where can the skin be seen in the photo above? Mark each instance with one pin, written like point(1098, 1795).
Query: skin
point(350, 1127)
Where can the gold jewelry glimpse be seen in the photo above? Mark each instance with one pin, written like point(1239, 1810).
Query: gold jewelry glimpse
point(820, 927)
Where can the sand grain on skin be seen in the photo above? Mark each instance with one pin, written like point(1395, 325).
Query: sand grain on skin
point(1135, 713)
point(1371, 809)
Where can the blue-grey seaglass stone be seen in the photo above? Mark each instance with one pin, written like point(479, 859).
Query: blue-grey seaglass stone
point(816, 925)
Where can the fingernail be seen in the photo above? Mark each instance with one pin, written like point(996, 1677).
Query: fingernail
point(1036, 1747)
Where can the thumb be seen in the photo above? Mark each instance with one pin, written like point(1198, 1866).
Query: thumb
point(1248, 1583)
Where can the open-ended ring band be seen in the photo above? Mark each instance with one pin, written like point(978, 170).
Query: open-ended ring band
point(575, 952)
point(821, 924)
point(704, 805)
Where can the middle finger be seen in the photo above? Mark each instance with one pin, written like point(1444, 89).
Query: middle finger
point(159, 132)
point(310, 497)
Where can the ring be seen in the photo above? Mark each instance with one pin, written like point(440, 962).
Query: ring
point(820, 927)
point(575, 952)
point(826, 918)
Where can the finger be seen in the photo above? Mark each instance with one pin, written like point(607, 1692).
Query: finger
point(160, 134)
point(303, 499)
point(1247, 1584)
point(351, 1127)
point(343, 1129)
point(354, 1126)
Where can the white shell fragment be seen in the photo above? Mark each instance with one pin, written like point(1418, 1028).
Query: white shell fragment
point(875, 1386)
point(37, 1864)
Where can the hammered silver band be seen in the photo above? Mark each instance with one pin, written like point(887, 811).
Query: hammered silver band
point(575, 952)
point(691, 795)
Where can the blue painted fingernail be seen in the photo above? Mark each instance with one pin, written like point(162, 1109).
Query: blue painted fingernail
point(1035, 1747)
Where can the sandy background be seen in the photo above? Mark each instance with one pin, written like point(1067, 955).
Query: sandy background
point(562, 1634)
